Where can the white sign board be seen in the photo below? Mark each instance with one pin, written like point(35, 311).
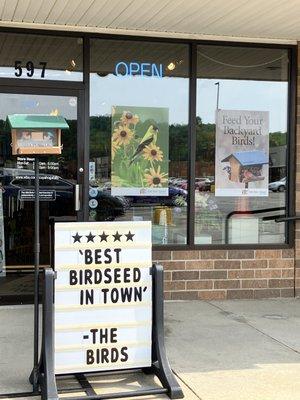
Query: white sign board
point(242, 153)
point(103, 296)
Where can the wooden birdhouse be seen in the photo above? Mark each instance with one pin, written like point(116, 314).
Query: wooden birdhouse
point(36, 134)
point(246, 166)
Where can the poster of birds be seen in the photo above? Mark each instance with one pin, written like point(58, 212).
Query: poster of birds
point(140, 151)
point(242, 153)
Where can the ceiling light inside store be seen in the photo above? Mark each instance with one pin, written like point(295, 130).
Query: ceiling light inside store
point(171, 66)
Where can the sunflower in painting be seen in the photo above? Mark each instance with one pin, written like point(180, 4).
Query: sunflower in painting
point(152, 153)
point(122, 135)
point(129, 118)
point(155, 178)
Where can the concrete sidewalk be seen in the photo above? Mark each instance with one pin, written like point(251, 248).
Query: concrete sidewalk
point(231, 350)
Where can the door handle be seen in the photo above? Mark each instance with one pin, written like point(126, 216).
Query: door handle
point(77, 197)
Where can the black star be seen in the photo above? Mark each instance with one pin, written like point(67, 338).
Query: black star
point(77, 238)
point(103, 237)
point(90, 237)
point(129, 236)
point(117, 237)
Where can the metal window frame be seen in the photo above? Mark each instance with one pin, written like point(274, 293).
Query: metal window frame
point(84, 88)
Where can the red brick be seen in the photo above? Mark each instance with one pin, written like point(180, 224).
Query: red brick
point(213, 274)
point(238, 254)
point(254, 283)
point(248, 264)
point(240, 294)
point(268, 254)
point(288, 273)
point(173, 265)
point(177, 285)
point(199, 264)
point(197, 285)
point(266, 293)
point(212, 295)
point(228, 284)
point(287, 292)
point(161, 255)
point(185, 275)
point(268, 273)
point(167, 275)
point(213, 254)
point(281, 263)
point(185, 255)
point(288, 253)
point(281, 283)
point(167, 295)
point(191, 295)
point(238, 274)
point(227, 264)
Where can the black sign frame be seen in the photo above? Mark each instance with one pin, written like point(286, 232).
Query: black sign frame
point(160, 365)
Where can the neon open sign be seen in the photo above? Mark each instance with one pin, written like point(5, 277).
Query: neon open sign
point(123, 68)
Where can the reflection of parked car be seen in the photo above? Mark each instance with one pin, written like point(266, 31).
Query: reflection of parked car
point(13, 184)
point(278, 186)
point(109, 207)
point(177, 196)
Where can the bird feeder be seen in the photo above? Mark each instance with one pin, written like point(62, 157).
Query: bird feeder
point(36, 134)
point(246, 166)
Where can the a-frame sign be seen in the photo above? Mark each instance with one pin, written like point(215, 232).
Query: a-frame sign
point(103, 308)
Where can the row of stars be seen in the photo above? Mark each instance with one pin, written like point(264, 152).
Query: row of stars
point(103, 237)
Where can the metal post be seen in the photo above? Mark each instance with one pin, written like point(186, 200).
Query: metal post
point(218, 94)
point(36, 276)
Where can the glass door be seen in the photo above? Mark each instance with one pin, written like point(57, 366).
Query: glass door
point(59, 175)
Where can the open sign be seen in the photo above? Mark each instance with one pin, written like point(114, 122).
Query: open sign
point(123, 68)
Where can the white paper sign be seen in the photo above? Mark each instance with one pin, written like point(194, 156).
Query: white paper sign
point(103, 296)
point(242, 153)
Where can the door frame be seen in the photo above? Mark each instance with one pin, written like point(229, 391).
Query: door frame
point(82, 139)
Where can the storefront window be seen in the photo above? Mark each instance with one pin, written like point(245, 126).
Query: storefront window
point(241, 128)
point(40, 57)
point(139, 135)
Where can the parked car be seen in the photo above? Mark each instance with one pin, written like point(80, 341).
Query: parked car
point(278, 186)
point(108, 207)
point(177, 197)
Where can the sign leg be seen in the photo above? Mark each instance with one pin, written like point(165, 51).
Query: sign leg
point(160, 364)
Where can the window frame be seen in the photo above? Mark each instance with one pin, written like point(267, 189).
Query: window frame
point(84, 85)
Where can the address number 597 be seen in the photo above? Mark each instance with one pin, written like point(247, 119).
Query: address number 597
point(29, 69)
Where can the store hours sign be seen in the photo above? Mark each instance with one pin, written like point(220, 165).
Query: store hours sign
point(103, 296)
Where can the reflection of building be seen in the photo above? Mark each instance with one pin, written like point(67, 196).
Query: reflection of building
point(277, 162)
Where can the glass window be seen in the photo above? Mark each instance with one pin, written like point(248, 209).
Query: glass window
point(40, 57)
point(139, 135)
point(241, 163)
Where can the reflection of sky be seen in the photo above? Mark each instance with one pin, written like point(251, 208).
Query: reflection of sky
point(244, 95)
point(173, 93)
point(11, 103)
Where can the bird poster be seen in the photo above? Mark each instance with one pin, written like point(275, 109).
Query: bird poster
point(140, 151)
point(242, 153)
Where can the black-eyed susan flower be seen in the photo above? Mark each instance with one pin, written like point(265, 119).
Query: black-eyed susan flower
point(122, 135)
point(155, 178)
point(152, 153)
point(129, 118)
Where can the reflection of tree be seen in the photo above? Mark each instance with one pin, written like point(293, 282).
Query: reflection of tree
point(100, 138)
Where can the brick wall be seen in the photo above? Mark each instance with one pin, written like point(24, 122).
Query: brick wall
point(227, 274)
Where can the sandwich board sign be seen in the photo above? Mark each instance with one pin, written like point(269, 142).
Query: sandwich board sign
point(103, 296)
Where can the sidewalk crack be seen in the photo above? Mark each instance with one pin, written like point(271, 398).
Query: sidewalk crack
point(187, 385)
point(257, 329)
